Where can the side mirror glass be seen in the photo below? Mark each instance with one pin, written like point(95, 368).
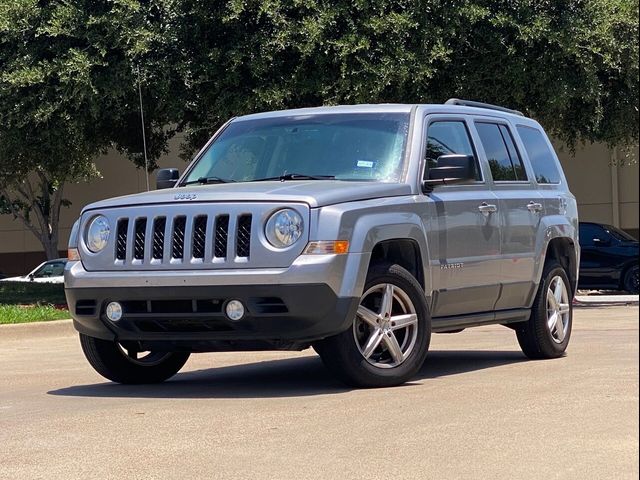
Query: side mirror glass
point(452, 170)
point(167, 178)
point(31, 277)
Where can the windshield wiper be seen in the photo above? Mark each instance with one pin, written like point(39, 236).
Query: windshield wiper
point(206, 180)
point(296, 176)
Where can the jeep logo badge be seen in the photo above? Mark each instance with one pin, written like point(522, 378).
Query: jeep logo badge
point(185, 196)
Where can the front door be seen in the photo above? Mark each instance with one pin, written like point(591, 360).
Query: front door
point(462, 227)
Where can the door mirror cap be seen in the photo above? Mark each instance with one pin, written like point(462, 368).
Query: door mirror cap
point(167, 178)
point(601, 241)
point(451, 170)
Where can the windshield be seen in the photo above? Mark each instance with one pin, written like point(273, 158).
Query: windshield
point(359, 146)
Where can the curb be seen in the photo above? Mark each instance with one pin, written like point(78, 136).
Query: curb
point(34, 329)
point(605, 300)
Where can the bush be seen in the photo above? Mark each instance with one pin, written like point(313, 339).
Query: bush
point(30, 293)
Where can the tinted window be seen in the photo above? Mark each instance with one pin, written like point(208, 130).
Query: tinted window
point(589, 231)
point(503, 157)
point(448, 138)
point(542, 158)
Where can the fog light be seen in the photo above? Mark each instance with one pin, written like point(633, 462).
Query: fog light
point(234, 310)
point(114, 311)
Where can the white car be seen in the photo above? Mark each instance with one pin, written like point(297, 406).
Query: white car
point(47, 272)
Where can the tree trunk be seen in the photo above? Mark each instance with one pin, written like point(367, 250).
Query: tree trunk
point(38, 209)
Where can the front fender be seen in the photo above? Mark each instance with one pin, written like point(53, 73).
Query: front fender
point(365, 228)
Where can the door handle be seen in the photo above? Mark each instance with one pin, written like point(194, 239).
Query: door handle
point(534, 206)
point(486, 209)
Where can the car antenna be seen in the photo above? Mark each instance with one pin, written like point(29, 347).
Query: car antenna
point(144, 138)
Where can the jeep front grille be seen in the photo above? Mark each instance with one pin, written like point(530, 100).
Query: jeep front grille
point(182, 231)
point(190, 236)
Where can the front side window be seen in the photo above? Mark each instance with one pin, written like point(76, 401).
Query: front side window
point(589, 231)
point(502, 154)
point(540, 155)
point(449, 137)
point(363, 146)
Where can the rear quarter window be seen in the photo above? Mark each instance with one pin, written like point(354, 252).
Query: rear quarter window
point(542, 158)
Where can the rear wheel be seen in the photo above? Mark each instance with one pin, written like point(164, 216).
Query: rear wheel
point(125, 364)
point(631, 280)
point(547, 333)
point(389, 338)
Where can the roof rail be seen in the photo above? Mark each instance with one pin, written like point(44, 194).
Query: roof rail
point(471, 103)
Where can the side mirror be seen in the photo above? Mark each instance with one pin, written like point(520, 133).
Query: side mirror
point(31, 277)
point(451, 170)
point(167, 178)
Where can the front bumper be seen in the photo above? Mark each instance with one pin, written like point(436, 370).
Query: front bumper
point(285, 309)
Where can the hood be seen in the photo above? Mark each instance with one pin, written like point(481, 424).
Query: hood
point(315, 193)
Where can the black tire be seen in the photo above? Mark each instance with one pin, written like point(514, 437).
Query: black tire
point(536, 337)
point(342, 356)
point(630, 283)
point(110, 361)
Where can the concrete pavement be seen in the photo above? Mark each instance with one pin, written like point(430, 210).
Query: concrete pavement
point(478, 409)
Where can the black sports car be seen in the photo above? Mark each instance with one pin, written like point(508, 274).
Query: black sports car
point(609, 258)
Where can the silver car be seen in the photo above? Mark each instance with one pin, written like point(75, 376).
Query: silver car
point(357, 230)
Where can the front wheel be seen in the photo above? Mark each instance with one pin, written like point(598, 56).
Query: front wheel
point(547, 333)
point(389, 338)
point(128, 365)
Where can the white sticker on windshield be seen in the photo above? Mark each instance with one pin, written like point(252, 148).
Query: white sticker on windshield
point(365, 164)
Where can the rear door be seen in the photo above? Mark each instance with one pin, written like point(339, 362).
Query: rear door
point(521, 209)
point(462, 226)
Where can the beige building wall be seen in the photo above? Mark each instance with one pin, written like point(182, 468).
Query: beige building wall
point(605, 193)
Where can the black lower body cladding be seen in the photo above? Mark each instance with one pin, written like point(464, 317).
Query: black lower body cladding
point(192, 318)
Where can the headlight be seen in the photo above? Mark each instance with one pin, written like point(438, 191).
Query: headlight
point(284, 228)
point(98, 234)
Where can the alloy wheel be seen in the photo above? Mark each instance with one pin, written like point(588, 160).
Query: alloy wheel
point(558, 309)
point(386, 326)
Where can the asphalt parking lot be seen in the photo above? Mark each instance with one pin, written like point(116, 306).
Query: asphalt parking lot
point(478, 409)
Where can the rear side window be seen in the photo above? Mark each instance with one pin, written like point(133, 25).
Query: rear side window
point(503, 157)
point(542, 158)
point(448, 138)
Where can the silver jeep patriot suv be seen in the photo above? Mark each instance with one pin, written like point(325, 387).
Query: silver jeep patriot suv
point(358, 230)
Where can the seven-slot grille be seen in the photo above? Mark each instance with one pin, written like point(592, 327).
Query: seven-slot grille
point(182, 238)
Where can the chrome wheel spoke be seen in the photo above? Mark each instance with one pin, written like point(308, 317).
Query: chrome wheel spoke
point(558, 292)
point(403, 321)
point(552, 321)
point(372, 343)
point(393, 346)
point(552, 303)
point(387, 301)
point(368, 316)
point(559, 327)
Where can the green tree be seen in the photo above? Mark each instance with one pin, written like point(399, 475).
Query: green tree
point(573, 65)
point(68, 92)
